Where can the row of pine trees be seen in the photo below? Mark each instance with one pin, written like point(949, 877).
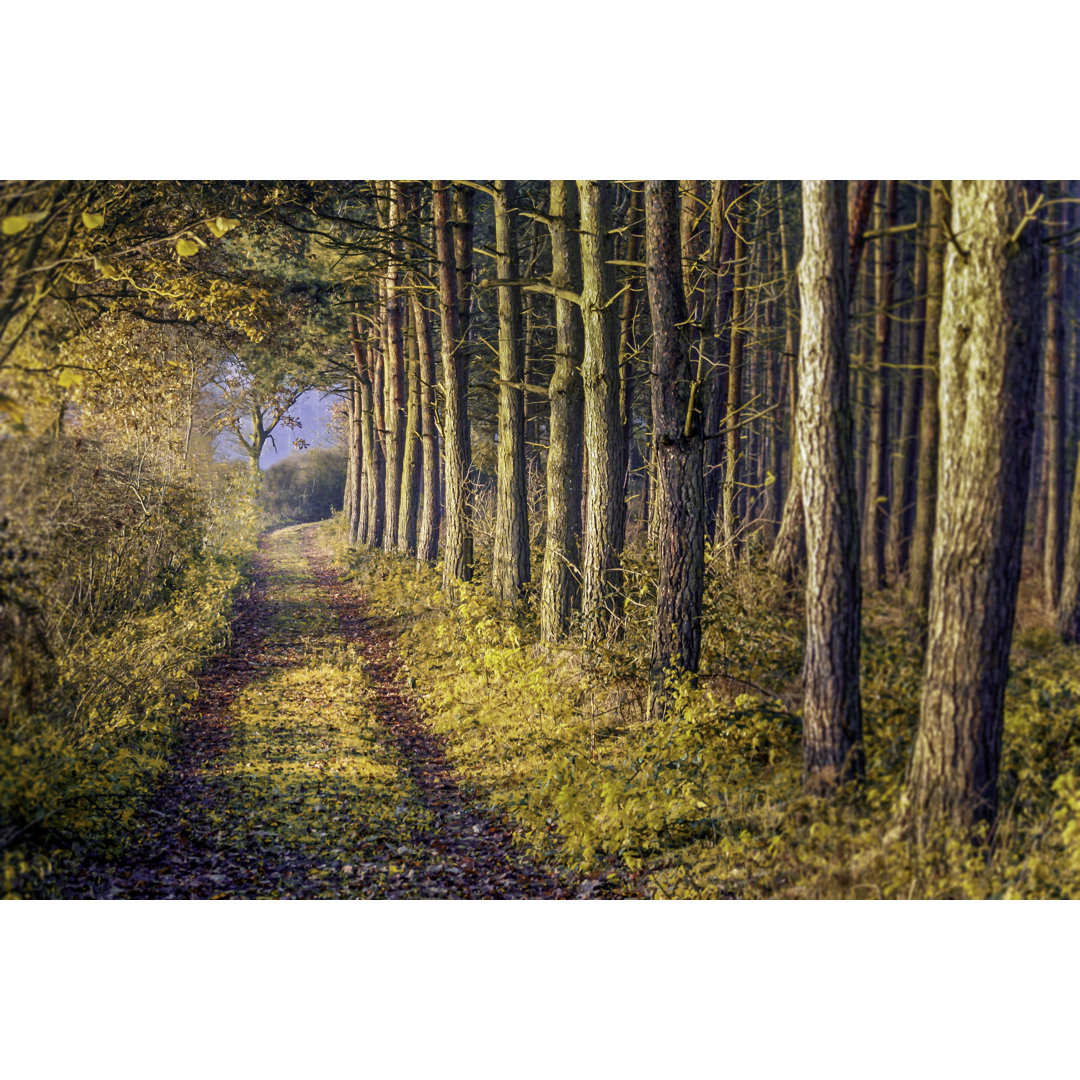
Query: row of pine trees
point(857, 381)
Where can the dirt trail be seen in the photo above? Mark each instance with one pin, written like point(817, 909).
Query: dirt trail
point(306, 771)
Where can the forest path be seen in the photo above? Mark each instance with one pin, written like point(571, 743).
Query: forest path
point(304, 770)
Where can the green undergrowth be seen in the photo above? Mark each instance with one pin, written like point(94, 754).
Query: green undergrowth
point(116, 584)
point(709, 804)
point(73, 777)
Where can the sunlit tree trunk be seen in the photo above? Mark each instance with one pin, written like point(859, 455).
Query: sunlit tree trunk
point(832, 719)
point(410, 467)
point(370, 523)
point(510, 554)
point(559, 579)
point(350, 464)
point(458, 545)
point(356, 462)
point(676, 412)
point(394, 385)
point(605, 503)
point(989, 368)
point(789, 551)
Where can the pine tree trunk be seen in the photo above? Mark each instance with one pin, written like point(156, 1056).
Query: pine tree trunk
point(875, 520)
point(347, 496)
point(926, 484)
point(370, 523)
point(410, 468)
point(559, 578)
point(394, 385)
point(789, 551)
point(605, 503)
point(989, 369)
point(627, 339)
point(458, 546)
point(832, 721)
point(906, 456)
point(356, 463)
point(1054, 391)
point(676, 411)
point(510, 552)
point(721, 259)
point(427, 543)
point(730, 538)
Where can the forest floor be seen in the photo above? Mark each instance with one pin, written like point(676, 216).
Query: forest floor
point(304, 770)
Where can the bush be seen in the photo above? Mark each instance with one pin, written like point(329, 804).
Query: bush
point(307, 486)
point(117, 570)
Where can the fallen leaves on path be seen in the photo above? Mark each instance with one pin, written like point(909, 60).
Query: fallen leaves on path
point(305, 770)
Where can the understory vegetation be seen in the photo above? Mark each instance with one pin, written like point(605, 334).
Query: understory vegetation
point(116, 582)
point(710, 803)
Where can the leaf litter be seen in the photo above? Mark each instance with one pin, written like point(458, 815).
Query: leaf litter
point(304, 770)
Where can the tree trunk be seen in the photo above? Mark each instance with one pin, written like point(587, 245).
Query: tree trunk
point(427, 543)
point(789, 551)
point(605, 503)
point(721, 259)
point(733, 418)
point(1054, 391)
point(989, 368)
point(350, 464)
point(394, 386)
point(832, 721)
point(410, 467)
point(875, 521)
point(458, 547)
point(559, 579)
point(922, 536)
point(627, 340)
point(356, 462)
point(905, 458)
point(510, 554)
point(676, 409)
point(370, 523)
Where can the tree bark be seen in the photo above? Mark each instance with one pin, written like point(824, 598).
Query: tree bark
point(905, 457)
point(721, 259)
point(676, 409)
point(559, 578)
point(356, 462)
point(510, 553)
point(926, 484)
point(458, 546)
point(394, 384)
point(427, 542)
point(989, 368)
point(875, 520)
point(410, 466)
point(605, 502)
point(1054, 391)
point(370, 524)
point(733, 419)
point(832, 720)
